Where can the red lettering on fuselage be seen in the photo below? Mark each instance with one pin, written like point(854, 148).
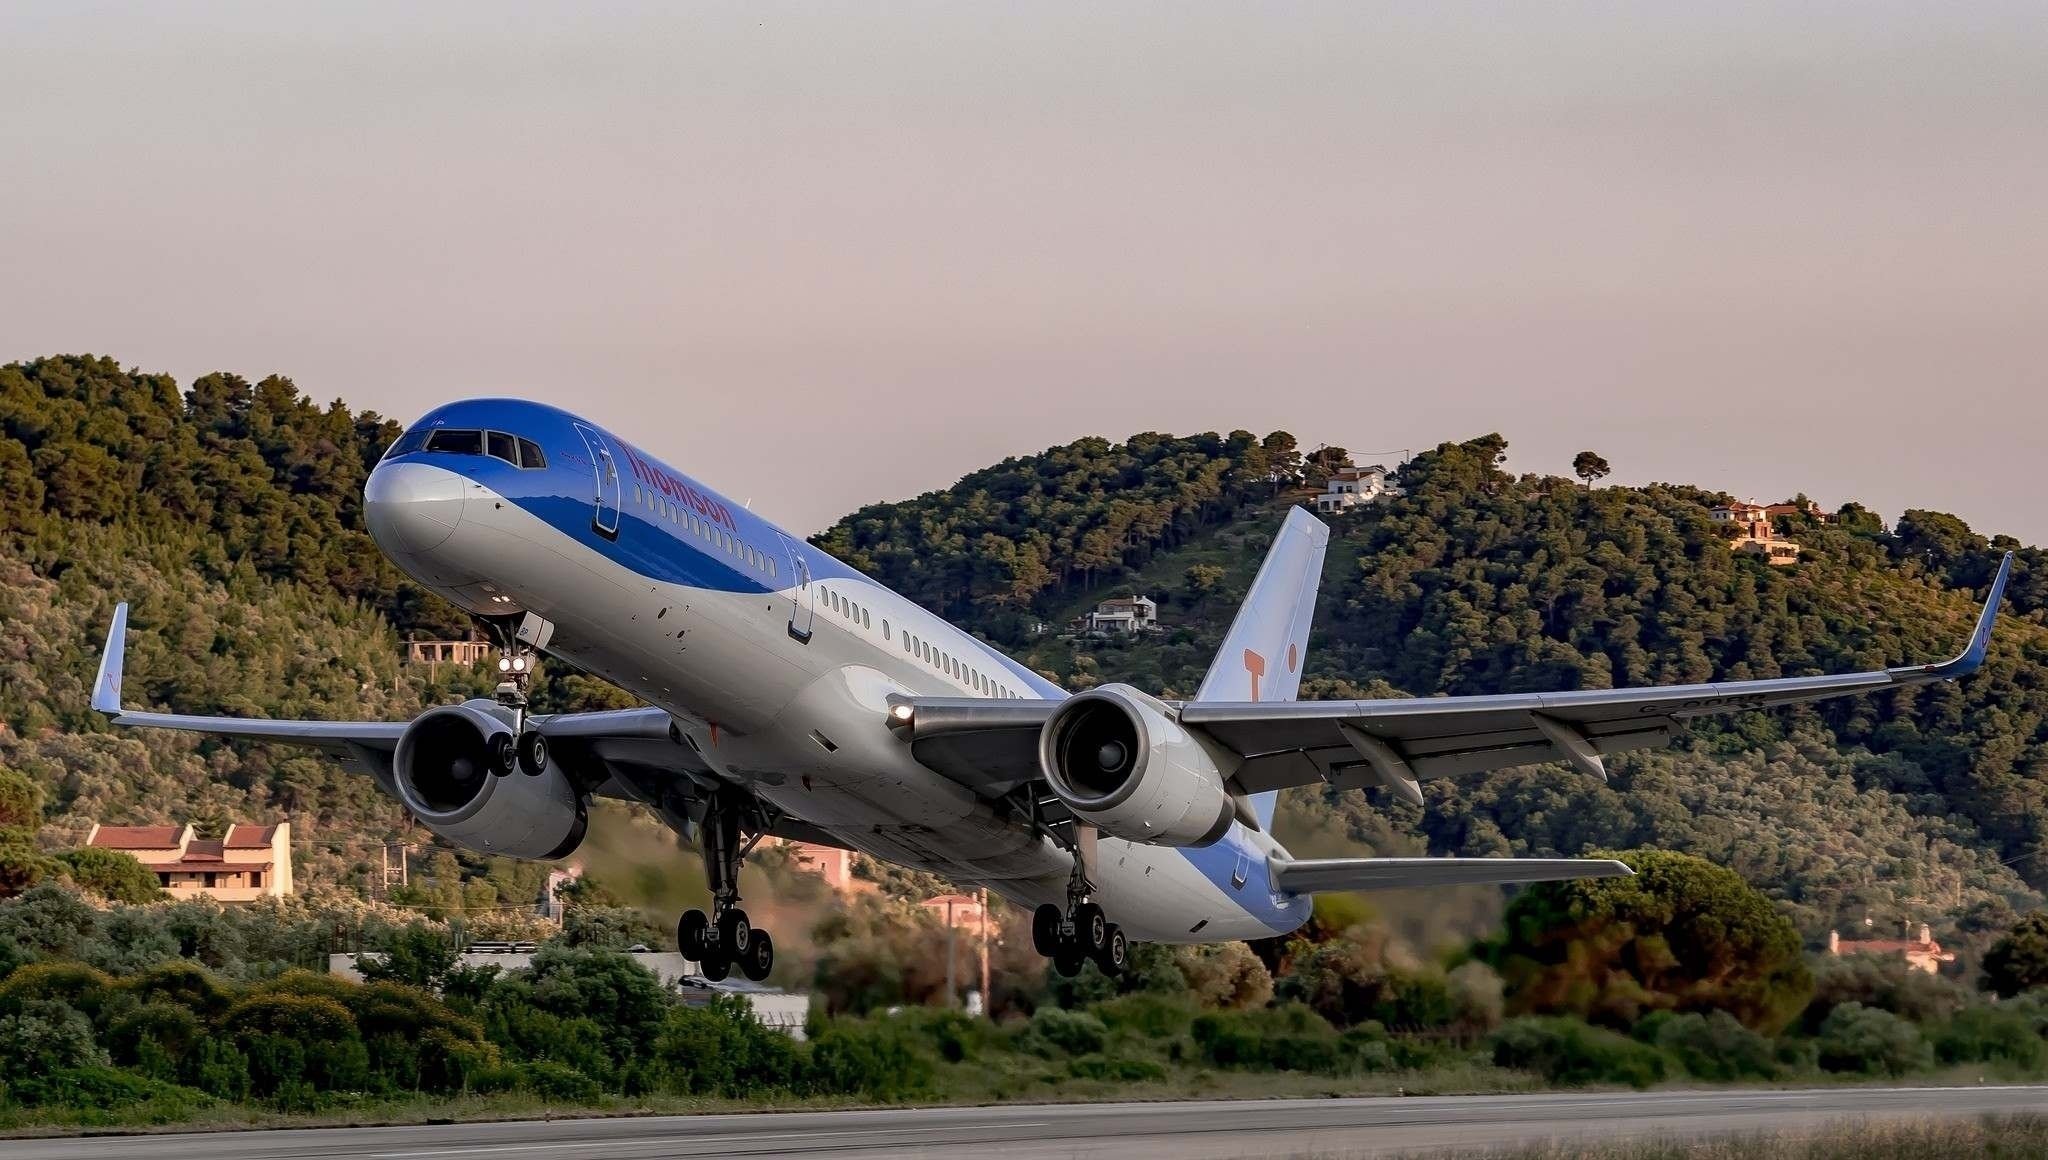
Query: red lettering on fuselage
point(675, 489)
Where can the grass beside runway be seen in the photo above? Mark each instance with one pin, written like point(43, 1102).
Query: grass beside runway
point(1995, 1137)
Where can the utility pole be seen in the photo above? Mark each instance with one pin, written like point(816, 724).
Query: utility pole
point(988, 1007)
point(952, 989)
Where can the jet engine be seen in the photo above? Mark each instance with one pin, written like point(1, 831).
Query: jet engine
point(444, 775)
point(1120, 761)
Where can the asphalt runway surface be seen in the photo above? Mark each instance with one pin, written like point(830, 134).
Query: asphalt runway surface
point(1326, 1129)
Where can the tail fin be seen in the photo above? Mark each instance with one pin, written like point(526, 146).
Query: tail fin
point(1262, 655)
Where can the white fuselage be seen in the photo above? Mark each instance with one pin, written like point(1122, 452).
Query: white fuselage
point(801, 723)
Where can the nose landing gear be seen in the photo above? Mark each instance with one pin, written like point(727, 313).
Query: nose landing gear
point(725, 938)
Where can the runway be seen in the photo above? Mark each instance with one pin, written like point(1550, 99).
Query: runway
point(1328, 1129)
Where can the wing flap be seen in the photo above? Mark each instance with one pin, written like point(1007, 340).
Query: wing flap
point(1323, 875)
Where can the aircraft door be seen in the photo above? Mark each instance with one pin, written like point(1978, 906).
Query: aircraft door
point(801, 594)
point(605, 519)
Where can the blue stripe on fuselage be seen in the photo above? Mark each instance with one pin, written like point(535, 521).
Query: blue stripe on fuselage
point(561, 496)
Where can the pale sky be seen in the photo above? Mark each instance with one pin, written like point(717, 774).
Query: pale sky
point(825, 255)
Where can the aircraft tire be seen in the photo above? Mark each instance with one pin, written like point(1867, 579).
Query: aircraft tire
point(760, 957)
point(503, 755)
point(1091, 928)
point(716, 967)
point(1115, 956)
point(533, 753)
point(1068, 961)
point(1045, 930)
point(690, 935)
point(734, 933)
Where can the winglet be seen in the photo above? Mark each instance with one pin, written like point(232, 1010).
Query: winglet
point(106, 688)
point(1972, 658)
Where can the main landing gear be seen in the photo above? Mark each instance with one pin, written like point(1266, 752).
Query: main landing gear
point(524, 749)
point(725, 938)
point(1081, 932)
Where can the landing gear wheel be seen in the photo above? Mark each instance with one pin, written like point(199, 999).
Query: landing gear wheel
point(760, 957)
point(1091, 928)
point(1115, 954)
point(734, 933)
point(533, 754)
point(690, 935)
point(1068, 961)
point(502, 757)
point(717, 966)
point(1045, 929)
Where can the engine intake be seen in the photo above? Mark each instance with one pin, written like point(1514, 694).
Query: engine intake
point(1120, 761)
point(443, 776)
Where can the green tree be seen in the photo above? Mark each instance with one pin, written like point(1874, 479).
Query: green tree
point(112, 874)
point(2019, 961)
point(417, 955)
point(1681, 934)
point(1589, 466)
point(21, 803)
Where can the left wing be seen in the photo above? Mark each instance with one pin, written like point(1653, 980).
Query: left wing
point(992, 745)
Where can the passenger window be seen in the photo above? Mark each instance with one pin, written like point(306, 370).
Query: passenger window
point(457, 442)
point(885, 628)
point(500, 446)
point(530, 454)
point(864, 621)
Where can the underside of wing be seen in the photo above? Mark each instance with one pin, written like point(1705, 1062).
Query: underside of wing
point(1323, 875)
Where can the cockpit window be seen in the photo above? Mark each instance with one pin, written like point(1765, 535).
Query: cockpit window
point(501, 446)
point(408, 443)
point(530, 454)
point(457, 442)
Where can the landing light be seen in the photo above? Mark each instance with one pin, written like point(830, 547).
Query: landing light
point(902, 712)
point(504, 664)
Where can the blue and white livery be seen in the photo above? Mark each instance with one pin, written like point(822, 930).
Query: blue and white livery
point(789, 695)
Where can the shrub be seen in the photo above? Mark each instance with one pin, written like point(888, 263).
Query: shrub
point(1568, 1051)
point(47, 920)
point(2018, 961)
point(74, 984)
point(1886, 984)
point(1058, 1031)
point(1225, 975)
point(417, 955)
point(720, 1048)
point(556, 1081)
point(101, 1088)
point(1864, 1039)
point(294, 1039)
point(869, 1058)
point(172, 1029)
point(1711, 1047)
point(184, 983)
point(1993, 1035)
point(1114, 1070)
point(1289, 1037)
point(42, 1035)
point(1150, 1014)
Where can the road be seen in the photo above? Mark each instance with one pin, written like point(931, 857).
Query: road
point(1333, 1129)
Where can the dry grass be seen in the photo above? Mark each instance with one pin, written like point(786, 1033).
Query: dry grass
point(1995, 1137)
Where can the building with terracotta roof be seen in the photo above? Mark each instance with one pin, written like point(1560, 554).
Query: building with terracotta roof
point(959, 911)
point(247, 863)
point(831, 863)
point(1920, 954)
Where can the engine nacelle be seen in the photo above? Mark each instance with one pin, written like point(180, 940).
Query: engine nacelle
point(1120, 761)
point(443, 775)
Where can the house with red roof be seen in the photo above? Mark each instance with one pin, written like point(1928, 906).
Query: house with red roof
point(246, 863)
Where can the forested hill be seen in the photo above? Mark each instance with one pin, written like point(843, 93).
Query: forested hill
point(1914, 804)
point(228, 512)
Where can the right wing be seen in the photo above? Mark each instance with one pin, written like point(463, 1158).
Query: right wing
point(635, 746)
point(1320, 875)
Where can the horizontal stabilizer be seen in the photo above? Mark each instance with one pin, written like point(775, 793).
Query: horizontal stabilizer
point(1326, 875)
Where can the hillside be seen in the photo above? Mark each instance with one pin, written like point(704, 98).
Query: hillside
point(229, 514)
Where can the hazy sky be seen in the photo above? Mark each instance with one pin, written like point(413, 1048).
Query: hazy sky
point(825, 255)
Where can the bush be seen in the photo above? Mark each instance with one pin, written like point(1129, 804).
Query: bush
point(74, 984)
point(2018, 961)
point(47, 920)
point(1150, 1014)
point(1225, 975)
point(1886, 984)
point(2001, 1035)
point(1289, 1037)
point(720, 1048)
point(1864, 1039)
point(184, 983)
point(105, 1089)
point(1114, 1070)
point(173, 1030)
point(42, 1035)
point(555, 1081)
point(1058, 1031)
point(1568, 1051)
point(1711, 1047)
point(868, 1058)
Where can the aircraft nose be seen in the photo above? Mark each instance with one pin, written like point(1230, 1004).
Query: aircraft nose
point(412, 507)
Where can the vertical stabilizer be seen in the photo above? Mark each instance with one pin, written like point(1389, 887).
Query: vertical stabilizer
point(1263, 653)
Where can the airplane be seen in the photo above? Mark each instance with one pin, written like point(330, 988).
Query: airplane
point(787, 695)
